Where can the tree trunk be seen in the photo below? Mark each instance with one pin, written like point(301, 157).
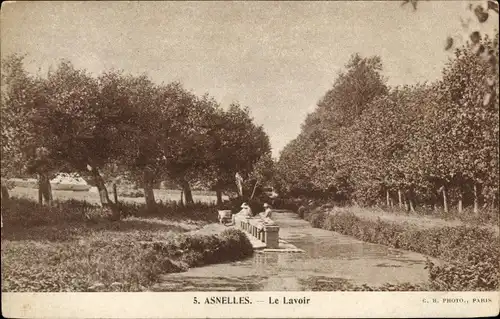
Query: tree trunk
point(219, 196)
point(476, 199)
point(411, 199)
point(149, 195)
point(187, 192)
point(115, 193)
point(445, 200)
point(460, 201)
point(412, 205)
point(40, 193)
point(182, 197)
point(218, 192)
point(5, 193)
point(4, 200)
point(406, 202)
point(101, 187)
point(400, 202)
point(106, 203)
point(44, 189)
point(387, 198)
point(254, 188)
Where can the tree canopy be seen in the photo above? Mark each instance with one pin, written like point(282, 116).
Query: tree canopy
point(121, 123)
point(424, 144)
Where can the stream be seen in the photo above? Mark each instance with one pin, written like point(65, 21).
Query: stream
point(329, 257)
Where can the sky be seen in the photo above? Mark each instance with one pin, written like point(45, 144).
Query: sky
point(277, 58)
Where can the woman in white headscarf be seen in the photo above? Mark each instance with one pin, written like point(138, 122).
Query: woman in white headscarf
point(245, 212)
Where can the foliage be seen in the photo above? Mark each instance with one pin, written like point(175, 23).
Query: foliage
point(124, 265)
point(306, 165)
point(62, 250)
point(118, 124)
point(237, 144)
point(20, 212)
point(427, 144)
point(336, 284)
point(471, 251)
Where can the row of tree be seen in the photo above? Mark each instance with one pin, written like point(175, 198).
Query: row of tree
point(427, 144)
point(120, 124)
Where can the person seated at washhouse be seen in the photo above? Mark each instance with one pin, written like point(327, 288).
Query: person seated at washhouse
point(266, 215)
point(245, 212)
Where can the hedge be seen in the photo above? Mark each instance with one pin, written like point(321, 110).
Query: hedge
point(471, 252)
point(111, 265)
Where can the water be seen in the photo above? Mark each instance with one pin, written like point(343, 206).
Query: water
point(329, 258)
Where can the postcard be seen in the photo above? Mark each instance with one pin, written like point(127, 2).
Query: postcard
point(248, 159)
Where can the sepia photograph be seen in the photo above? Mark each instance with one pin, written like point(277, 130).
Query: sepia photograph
point(250, 159)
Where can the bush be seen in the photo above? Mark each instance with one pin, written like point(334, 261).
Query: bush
point(77, 266)
point(112, 265)
point(132, 193)
point(460, 276)
point(339, 284)
point(26, 213)
point(66, 247)
point(472, 251)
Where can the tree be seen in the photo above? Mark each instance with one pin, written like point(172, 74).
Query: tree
point(137, 110)
point(184, 140)
point(236, 145)
point(24, 150)
point(468, 123)
point(309, 163)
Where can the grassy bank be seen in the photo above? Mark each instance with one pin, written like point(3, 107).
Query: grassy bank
point(72, 247)
point(471, 252)
point(421, 218)
point(127, 195)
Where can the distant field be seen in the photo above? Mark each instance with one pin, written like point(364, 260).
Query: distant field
point(160, 195)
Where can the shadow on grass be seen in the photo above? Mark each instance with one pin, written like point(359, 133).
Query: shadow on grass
point(195, 214)
point(72, 231)
point(128, 225)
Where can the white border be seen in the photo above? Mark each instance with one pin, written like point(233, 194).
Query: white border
point(180, 305)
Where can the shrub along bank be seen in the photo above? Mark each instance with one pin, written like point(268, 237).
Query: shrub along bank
point(112, 265)
point(72, 247)
point(471, 252)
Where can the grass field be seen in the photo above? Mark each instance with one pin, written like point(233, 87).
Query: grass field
point(93, 198)
point(72, 246)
